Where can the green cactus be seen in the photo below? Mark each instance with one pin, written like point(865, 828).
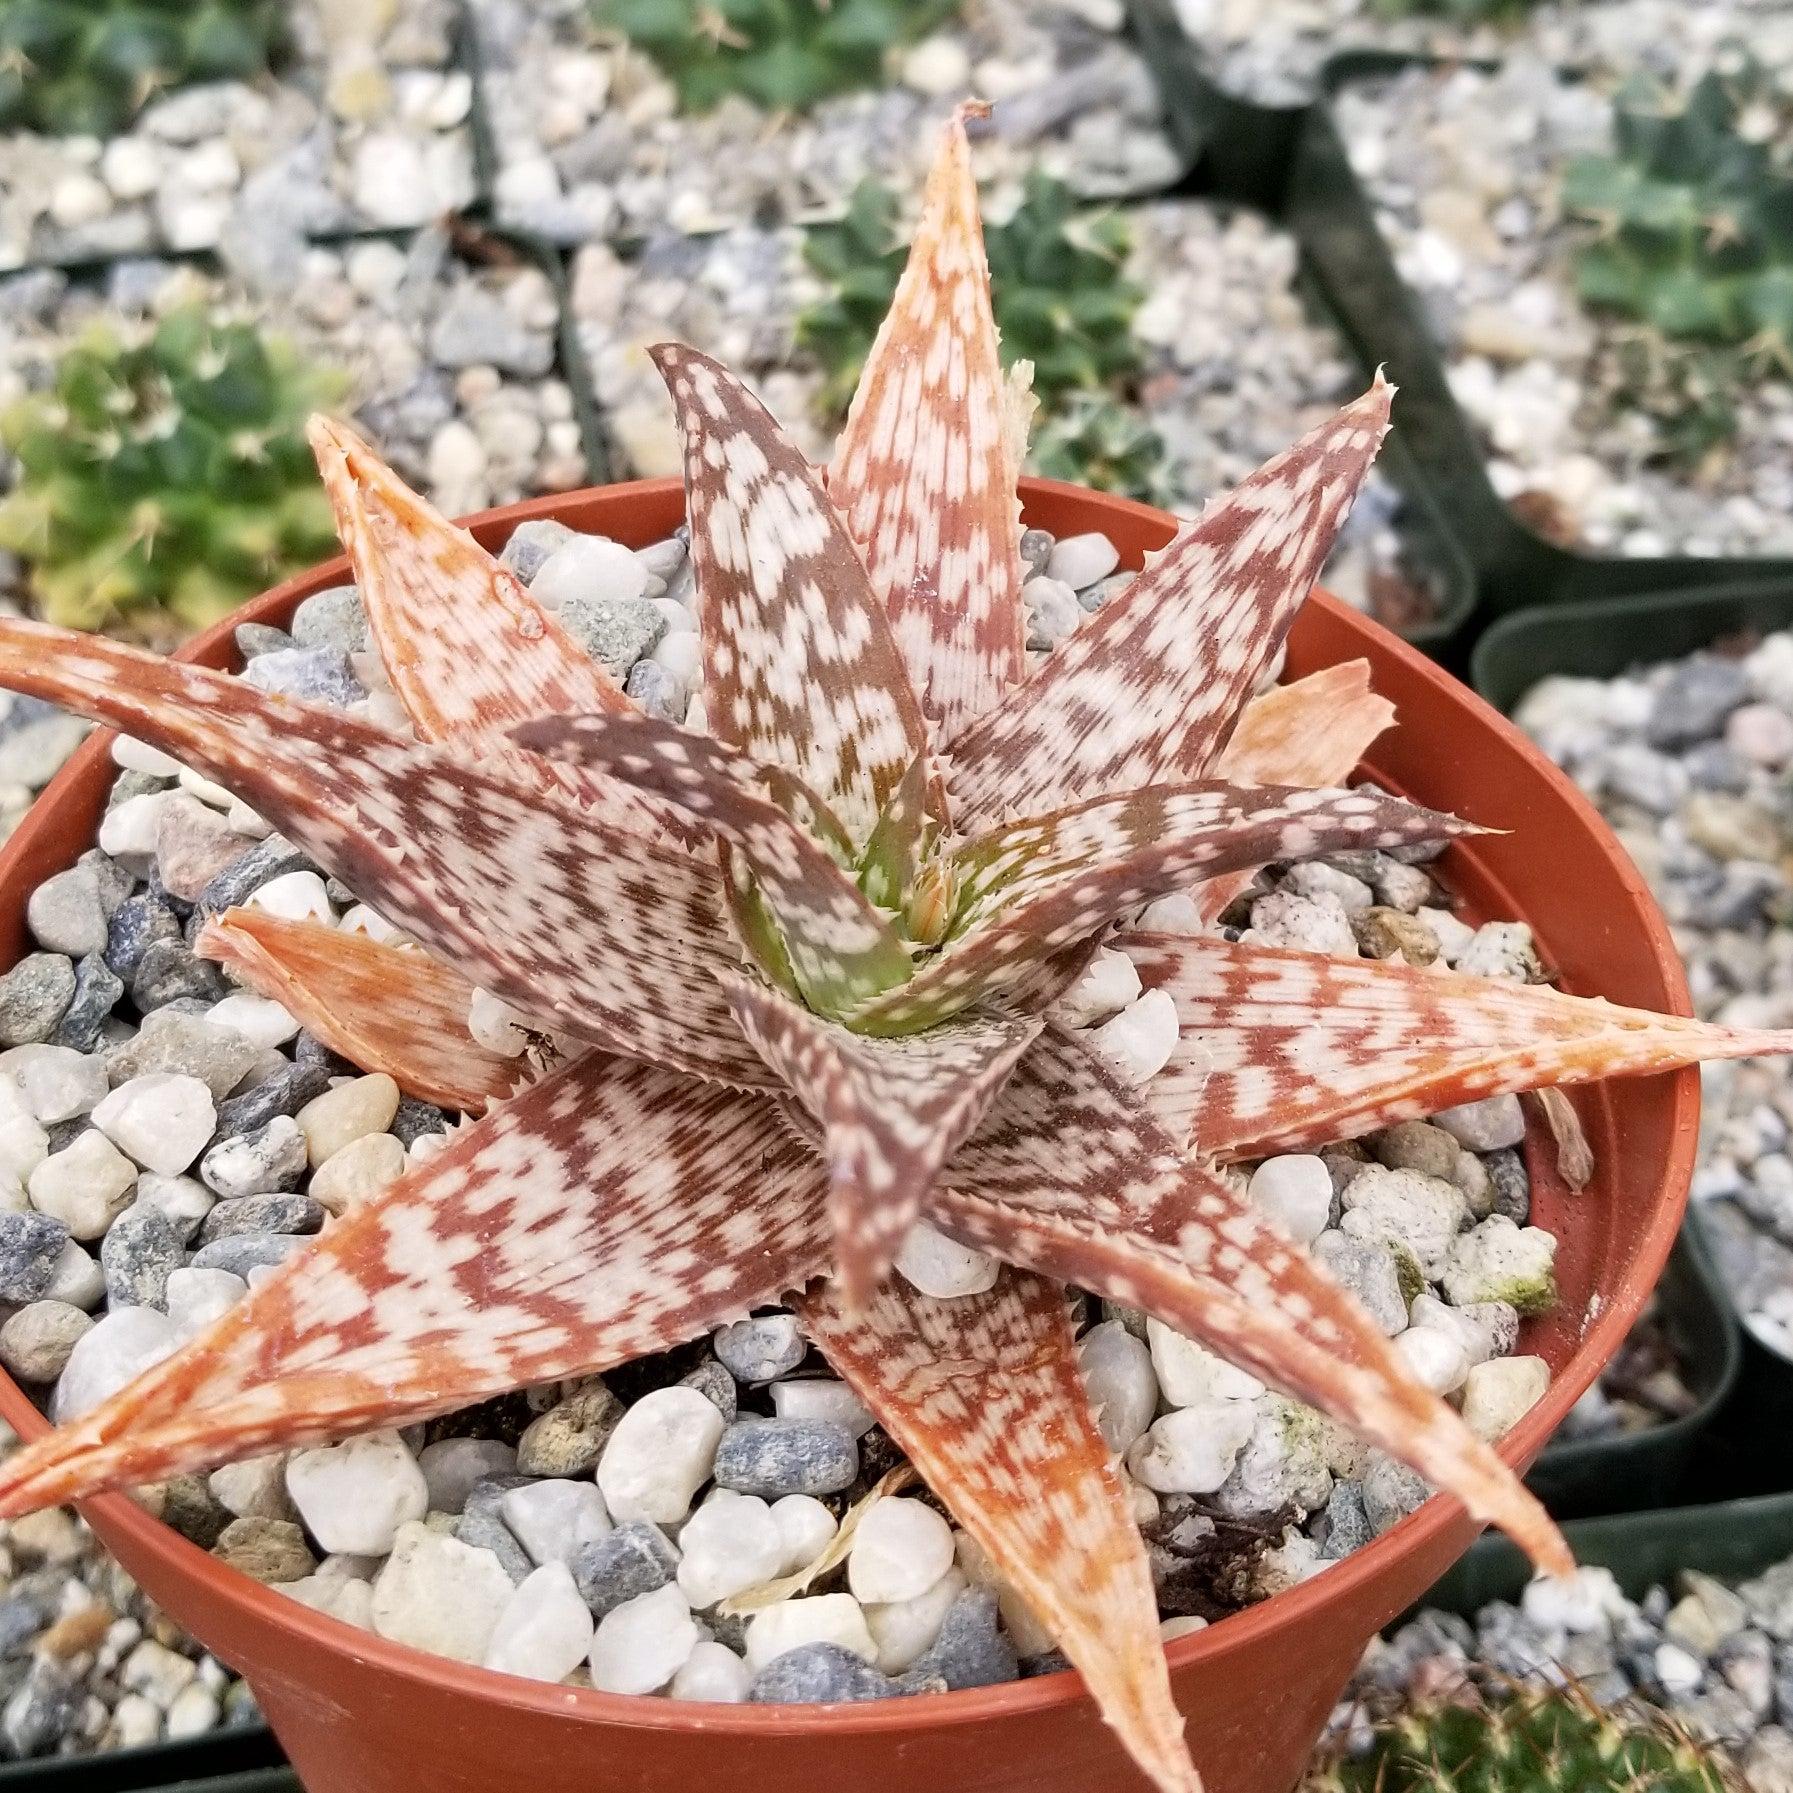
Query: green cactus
point(1062, 298)
point(1535, 1740)
point(1694, 214)
point(88, 66)
point(1092, 441)
point(165, 476)
point(782, 54)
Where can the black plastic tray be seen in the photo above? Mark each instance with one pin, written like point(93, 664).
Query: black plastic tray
point(239, 1751)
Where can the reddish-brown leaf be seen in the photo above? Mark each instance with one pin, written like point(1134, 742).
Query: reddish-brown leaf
point(839, 948)
point(579, 921)
point(891, 1111)
point(384, 1008)
point(1281, 1050)
point(1070, 1177)
point(1312, 732)
point(924, 474)
point(800, 667)
point(1150, 688)
point(1028, 890)
point(609, 1211)
point(984, 1394)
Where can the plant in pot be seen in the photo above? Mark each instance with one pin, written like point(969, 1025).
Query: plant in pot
point(770, 1011)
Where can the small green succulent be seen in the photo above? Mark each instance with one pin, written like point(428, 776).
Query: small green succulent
point(1093, 441)
point(88, 66)
point(165, 475)
point(1543, 1740)
point(1063, 302)
point(783, 54)
point(1694, 214)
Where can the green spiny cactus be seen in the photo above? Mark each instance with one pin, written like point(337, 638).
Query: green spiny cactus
point(782, 54)
point(1057, 278)
point(1538, 1740)
point(1092, 441)
point(88, 66)
point(166, 474)
point(1695, 214)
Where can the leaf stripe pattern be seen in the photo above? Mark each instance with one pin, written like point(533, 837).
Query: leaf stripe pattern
point(384, 1008)
point(595, 930)
point(609, 1211)
point(1150, 687)
point(800, 667)
point(467, 649)
point(1312, 732)
point(984, 1394)
point(892, 1111)
point(840, 949)
point(1062, 877)
point(924, 473)
point(1280, 1050)
point(1070, 1178)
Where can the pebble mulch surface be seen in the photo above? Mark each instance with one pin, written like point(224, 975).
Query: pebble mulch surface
point(166, 1139)
point(1274, 51)
point(366, 126)
point(1236, 365)
point(1689, 762)
point(1465, 167)
point(1717, 1657)
point(590, 142)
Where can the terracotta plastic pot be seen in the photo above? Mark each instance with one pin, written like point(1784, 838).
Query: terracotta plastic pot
point(360, 1715)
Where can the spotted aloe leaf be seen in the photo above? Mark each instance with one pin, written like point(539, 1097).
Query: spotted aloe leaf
point(384, 1008)
point(543, 1242)
point(837, 946)
point(924, 474)
point(891, 1111)
point(1028, 890)
point(578, 920)
point(1312, 732)
point(466, 648)
point(800, 666)
point(984, 1394)
point(899, 841)
point(1071, 1177)
point(1150, 687)
point(1281, 1049)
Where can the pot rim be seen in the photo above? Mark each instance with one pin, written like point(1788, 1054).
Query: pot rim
point(1305, 1604)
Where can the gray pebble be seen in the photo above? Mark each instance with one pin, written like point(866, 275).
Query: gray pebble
point(43, 1711)
point(34, 996)
point(531, 543)
point(176, 1039)
point(243, 1252)
point(1368, 1269)
point(170, 970)
point(632, 1560)
point(30, 1244)
point(98, 991)
point(416, 1120)
point(760, 1349)
point(1512, 1185)
point(1347, 1524)
point(247, 873)
point(270, 1160)
point(481, 1526)
point(656, 690)
point(971, 1650)
point(615, 631)
point(254, 639)
point(114, 881)
point(140, 1250)
point(319, 675)
point(267, 1213)
point(774, 1457)
point(137, 924)
point(284, 1093)
point(819, 1675)
point(65, 914)
point(716, 1386)
point(332, 618)
point(1036, 550)
point(1694, 701)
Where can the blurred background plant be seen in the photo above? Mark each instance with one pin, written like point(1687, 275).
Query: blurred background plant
point(164, 476)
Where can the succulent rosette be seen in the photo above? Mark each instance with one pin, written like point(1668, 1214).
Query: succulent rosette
point(791, 981)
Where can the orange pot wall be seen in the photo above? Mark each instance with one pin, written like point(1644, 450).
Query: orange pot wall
point(360, 1715)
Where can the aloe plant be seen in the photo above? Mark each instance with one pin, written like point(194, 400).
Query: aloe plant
point(791, 984)
point(786, 55)
point(165, 476)
point(88, 66)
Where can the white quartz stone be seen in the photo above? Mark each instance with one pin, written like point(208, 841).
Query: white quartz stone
point(439, 1594)
point(1137, 1043)
point(355, 1496)
point(942, 1267)
point(1192, 1450)
point(731, 1542)
point(162, 1119)
point(900, 1549)
point(640, 1645)
point(905, 1629)
point(119, 1346)
point(1295, 1191)
point(660, 1454)
point(805, 1529)
point(552, 1519)
point(713, 1673)
point(1122, 1384)
point(545, 1630)
point(1190, 1375)
point(821, 1397)
point(808, 1619)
